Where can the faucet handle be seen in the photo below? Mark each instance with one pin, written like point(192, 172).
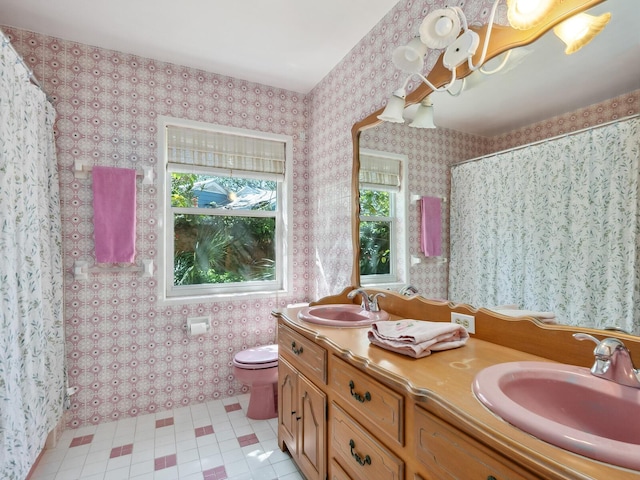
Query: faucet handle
point(373, 302)
point(604, 348)
point(613, 361)
point(586, 336)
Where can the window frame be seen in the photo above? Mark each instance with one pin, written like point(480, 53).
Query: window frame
point(170, 293)
point(399, 251)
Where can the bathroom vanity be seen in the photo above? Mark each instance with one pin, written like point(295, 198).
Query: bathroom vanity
point(351, 410)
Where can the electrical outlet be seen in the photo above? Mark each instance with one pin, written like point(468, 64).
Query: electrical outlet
point(467, 321)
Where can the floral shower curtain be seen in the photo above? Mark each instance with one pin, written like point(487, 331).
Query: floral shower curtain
point(552, 227)
point(31, 323)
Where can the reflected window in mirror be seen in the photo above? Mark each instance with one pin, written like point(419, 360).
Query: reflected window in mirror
point(382, 212)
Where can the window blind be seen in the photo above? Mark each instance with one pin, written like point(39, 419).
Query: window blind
point(206, 148)
point(379, 173)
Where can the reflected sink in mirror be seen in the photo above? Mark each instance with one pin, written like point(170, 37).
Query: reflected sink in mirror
point(566, 406)
point(341, 315)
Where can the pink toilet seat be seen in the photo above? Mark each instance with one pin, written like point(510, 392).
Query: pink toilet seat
point(257, 358)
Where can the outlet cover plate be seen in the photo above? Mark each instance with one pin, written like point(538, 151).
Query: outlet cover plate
point(467, 321)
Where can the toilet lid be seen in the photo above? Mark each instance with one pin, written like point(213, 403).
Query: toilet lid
point(265, 356)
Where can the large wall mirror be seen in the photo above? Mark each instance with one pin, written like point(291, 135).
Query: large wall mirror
point(539, 82)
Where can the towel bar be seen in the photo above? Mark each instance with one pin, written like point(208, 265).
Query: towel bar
point(83, 168)
point(81, 269)
point(415, 197)
point(415, 260)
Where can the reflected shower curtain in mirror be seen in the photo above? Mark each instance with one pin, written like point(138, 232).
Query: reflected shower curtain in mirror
point(552, 227)
point(31, 320)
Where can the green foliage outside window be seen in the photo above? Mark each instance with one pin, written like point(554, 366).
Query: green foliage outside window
point(214, 249)
point(375, 235)
point(375, 203)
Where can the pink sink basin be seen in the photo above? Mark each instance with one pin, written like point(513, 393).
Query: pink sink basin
point(566, 406)
point(340, 315)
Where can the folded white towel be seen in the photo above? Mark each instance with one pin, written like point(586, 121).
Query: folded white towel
point(544, 317)
point(417, 338)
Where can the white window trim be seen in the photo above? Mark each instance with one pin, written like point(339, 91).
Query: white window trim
point(284, 234)
point(400, 275)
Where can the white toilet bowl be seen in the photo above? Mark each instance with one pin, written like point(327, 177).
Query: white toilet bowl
point(258, 368)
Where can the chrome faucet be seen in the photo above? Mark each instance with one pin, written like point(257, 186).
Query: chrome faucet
point(408, 291)
point(613, 361)
point(369, 302)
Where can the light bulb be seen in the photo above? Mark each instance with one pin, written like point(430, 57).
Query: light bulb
point(580, 29)
point(525, 14)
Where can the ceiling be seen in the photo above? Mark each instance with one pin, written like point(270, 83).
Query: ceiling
point(290, 44)
point(294, 44)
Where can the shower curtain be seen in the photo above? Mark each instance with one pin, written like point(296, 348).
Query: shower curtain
point(552, 227)
point(32, 373)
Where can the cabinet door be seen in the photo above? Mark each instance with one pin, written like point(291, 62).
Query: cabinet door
point(312, 430)
point(288, 411)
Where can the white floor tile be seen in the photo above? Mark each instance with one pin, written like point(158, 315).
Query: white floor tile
point(260, 461)
point(94, 468)
point(170, 473)
point(211, 461)
point(236, 468)
point(119, 462)
point(187, 456)
point(141, 468)
point(189, 468)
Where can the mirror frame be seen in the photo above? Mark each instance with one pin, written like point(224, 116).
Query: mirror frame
point(503, 38)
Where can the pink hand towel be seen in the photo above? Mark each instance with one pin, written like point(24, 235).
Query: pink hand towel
point(114, 214)
point(431, 226)
point(417, 338)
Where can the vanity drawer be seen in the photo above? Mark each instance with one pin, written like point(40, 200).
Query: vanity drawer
point(359, 454)
point(367, 398)
point(308, 357)
point(336, 472)
point(449, 454)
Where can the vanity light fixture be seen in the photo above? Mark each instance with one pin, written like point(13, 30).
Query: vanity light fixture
point(580, 29)
point(410, 57)
point(443, 28)
point(525, 14)
point(424, 115)
point(447, 28)
point(395, 107)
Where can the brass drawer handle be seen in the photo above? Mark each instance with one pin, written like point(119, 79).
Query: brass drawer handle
point(356, 395)
point(362, 461)
point(295, 350)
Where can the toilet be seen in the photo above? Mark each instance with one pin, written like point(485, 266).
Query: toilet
point(258, 368)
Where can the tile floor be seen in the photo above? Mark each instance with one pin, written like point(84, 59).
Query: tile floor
point(210, 441)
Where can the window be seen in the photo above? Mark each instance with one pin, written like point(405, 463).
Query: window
point(382, 213)
point(225, 209)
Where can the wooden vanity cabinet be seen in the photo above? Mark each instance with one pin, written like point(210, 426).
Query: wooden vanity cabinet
point(302, 406)
point(349, 411)
point(446, 453)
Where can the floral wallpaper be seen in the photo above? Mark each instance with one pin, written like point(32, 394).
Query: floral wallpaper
point(127, 353)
